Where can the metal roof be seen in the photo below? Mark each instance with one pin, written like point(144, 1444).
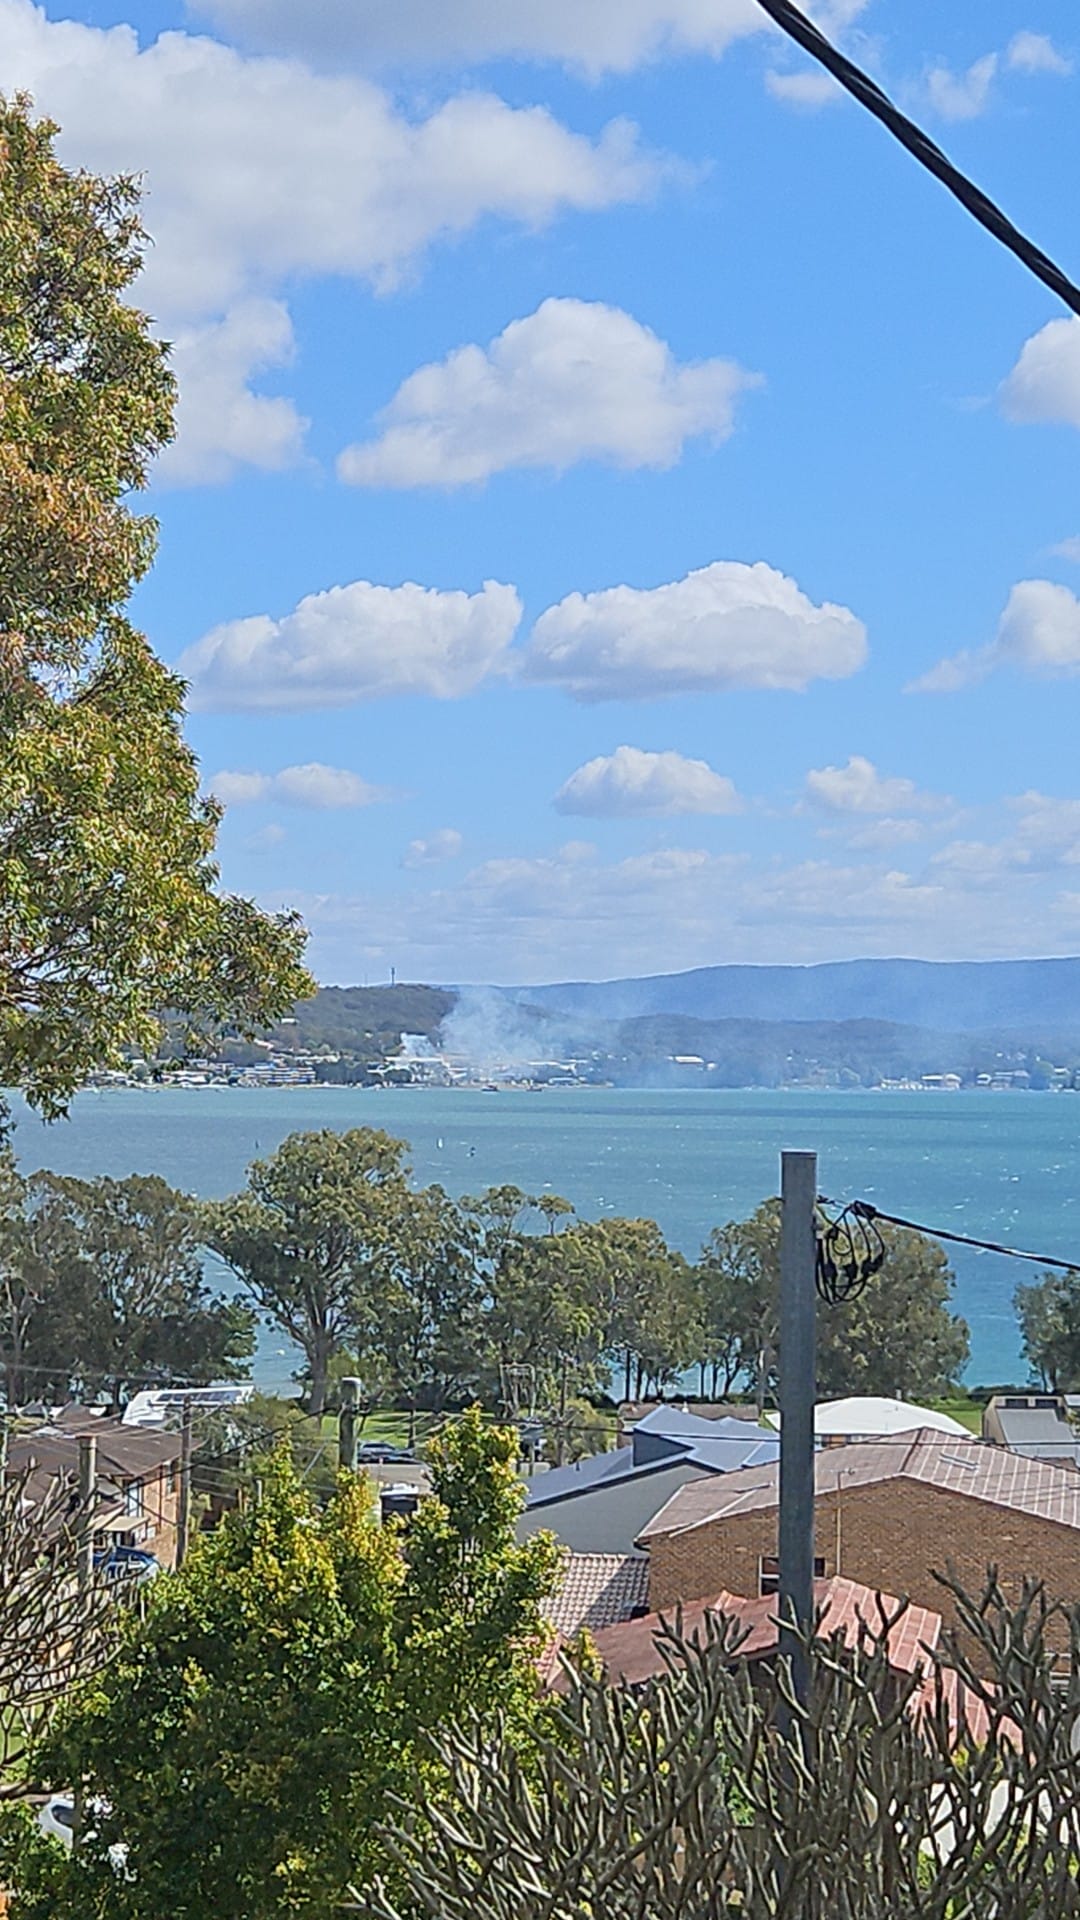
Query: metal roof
point(1038, 1431)
point(862, 1416)
point(989, 1474)
point(723, 1453)
point(630, 1652)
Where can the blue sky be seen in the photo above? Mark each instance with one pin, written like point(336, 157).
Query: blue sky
point(769, 454)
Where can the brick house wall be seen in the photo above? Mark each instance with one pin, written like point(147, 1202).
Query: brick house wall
point(892, 1536)
point(151, 1510)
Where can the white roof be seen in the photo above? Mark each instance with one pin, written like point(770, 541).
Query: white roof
point(864, 1415)
point(154, 1407)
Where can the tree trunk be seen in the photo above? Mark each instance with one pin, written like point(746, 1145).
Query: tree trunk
point(319, 1358)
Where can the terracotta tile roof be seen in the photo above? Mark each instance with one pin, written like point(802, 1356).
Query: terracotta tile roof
point(846, 1608)
point(597, 1590)
point(969, 1467)
point(631, 1653)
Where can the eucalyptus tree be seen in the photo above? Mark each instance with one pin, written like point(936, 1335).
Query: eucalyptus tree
point(109, 909)
point(122, 1298)
point(306, 1239)
point(899, 1337)
point(423, 1297)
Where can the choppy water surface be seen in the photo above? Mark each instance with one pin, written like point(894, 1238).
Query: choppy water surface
point(999, 1166)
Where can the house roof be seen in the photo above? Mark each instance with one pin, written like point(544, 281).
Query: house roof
point(155, 1406)
point(968, 1467)
point(123, 1453)
point(717, 1453)
point(634, 1411)
point(864, 1415)
point(849, 1609)
point(597, 1590)
point(632, 1652)
point(678, 1423)
point(1039, 1432)
point(597, 1469)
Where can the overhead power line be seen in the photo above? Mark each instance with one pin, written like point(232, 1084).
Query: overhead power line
point(864, 1210)
point(869, 95)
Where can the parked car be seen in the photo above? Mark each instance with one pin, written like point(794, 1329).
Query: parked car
point(126, 1563)
point(57, 1818)
point(376, 1453)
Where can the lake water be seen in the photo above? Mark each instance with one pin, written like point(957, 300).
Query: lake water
point(999, 1166)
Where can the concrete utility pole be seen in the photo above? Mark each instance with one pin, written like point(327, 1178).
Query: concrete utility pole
point(87, 1492)
point(84, 1573)
point(183, 1514)
point(798, 1392)
point(350, 1396)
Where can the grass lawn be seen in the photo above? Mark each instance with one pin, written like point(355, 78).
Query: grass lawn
point(968, 1412)
point(391, 1428)
point(384, 1426)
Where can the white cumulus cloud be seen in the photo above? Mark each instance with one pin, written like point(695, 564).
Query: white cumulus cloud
point(962, 96)
point(809, 90)
point(576, 380)
point(860, 788)
point(597, 35)
point(221, 423)
point(1035, 53)
point(442, 845)
point(631, 782)
point(352, 643)
point(313, 785)
point(726, 625)
point(261, 173)
point(1039, 632)
point(1044, 385)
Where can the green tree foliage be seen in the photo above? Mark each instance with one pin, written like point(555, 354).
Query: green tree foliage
point(423, 1302)
point(307, 1235)
point(1048, 1309)
point(255, 1728)
point(102, 1284)
point(651, 1309)
point(899, 1337)
point(108, 903)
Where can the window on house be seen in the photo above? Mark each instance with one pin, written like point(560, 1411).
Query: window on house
point(133, 1497)
point(170, 1478)
point(769, 1573)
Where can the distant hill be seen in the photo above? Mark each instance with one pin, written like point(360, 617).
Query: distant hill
point(774, 1053)
point(365, 1020)
point(943, 996)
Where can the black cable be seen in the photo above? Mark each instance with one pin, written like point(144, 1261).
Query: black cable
point(869, 95)
point(864, 1210)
